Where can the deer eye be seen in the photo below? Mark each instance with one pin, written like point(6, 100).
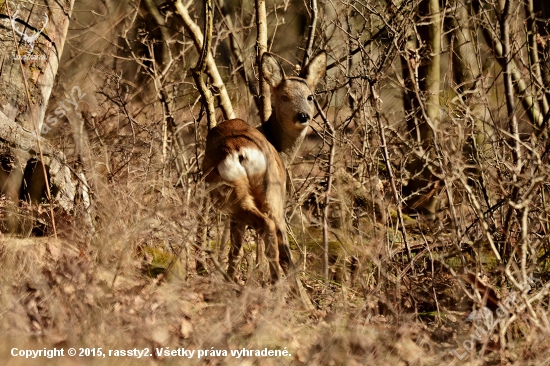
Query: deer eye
point(310, 98)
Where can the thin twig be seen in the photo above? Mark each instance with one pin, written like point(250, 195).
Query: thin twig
point(236, 50)
point(331, 143)
point(311, 33)
point(386, 155)
point(198, 71)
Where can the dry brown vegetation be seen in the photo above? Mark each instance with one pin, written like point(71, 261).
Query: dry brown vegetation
point(424, 180)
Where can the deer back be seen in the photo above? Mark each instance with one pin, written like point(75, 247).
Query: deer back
point(238, 156)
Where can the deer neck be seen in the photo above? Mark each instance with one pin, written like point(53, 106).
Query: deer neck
point(287, 143)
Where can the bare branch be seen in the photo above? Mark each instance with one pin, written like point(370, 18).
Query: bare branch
point(207, 97)
point(196, 35)
point(311, 33)
point(261, 48)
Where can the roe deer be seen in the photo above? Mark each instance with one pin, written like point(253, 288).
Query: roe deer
point(247, 166)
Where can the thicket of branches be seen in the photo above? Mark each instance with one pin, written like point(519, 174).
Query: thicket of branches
point(425, 175)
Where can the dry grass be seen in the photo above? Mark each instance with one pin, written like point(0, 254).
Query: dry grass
point(101, 291)
point(104, 291)
point(71, 293)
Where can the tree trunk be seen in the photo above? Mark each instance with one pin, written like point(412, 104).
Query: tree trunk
point(422, 103)
point(429, 71)
point(542, 14)
point(468, 78)
point(32, 41)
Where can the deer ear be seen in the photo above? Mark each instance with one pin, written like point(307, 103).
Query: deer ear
point(272, 70)
point(315, 69)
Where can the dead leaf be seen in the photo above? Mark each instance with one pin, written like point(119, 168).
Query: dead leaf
point(69, 289)
point(55, 251)
point(247, 329)
point(186, 328)
point(161, 335)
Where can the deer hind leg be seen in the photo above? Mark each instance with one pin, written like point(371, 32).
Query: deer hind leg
point(285, 257)
point(268, 231)
point(246, 213)
point(272, 249)
point(237, 229)
point(290, 269)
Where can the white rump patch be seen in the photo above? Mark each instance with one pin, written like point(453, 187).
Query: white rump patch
point(247, 161)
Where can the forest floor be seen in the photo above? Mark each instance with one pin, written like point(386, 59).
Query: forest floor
point(103, 298)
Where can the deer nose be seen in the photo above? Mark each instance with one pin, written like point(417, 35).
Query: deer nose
point(303, 117)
